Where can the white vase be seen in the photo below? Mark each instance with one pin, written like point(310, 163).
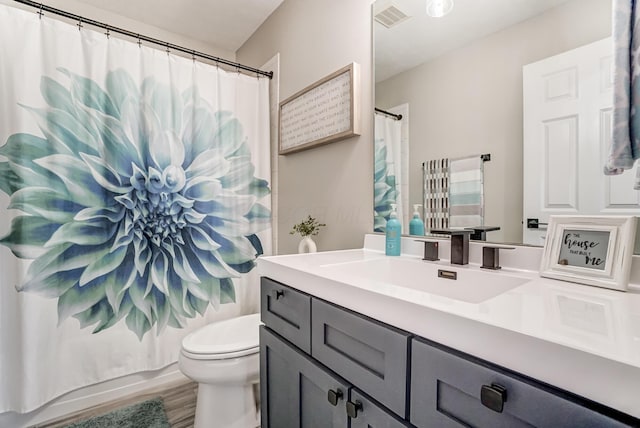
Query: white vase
point(307, 245)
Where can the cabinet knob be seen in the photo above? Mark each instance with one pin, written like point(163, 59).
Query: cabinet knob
point(334, 396)
point(277, 294)
point(493, 396)
point(353, 409)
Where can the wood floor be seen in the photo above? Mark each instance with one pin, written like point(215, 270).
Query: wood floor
point(179, 404)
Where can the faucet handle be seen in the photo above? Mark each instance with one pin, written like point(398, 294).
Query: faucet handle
point(430, 250)
point(491, 256)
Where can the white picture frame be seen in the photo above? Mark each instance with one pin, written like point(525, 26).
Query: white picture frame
point(591, 250)
point(324, 112)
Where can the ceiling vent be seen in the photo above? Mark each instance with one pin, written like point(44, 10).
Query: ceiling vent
point(390, 15)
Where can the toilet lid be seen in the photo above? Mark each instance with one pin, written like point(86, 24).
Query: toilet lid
point(237, 336)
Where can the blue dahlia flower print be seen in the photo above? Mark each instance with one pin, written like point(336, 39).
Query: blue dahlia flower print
point(140, 203)
point(385, 191)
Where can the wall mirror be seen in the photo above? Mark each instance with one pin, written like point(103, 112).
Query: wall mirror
point(458, 82)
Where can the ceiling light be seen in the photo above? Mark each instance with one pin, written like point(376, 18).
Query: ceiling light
point(439, 8)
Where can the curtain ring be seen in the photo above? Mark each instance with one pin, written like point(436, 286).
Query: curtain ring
point(40, 13)
point(167, 48)
point(80, 25)
point(193, 55)
point(139, 41)
point(108, 33)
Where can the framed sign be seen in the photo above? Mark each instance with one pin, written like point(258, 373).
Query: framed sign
point(590, 250)
point(324, 112)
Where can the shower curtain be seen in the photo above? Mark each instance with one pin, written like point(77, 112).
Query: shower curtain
point(387, 174)
point(133, 203)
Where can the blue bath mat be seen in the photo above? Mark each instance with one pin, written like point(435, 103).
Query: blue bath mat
point(147, 414)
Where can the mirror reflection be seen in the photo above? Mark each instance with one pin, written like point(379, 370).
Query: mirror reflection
point(494, 132)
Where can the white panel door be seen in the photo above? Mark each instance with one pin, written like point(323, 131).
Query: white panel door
point(567, 131)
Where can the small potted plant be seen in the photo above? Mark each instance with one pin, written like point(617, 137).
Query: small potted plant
point(306, 229)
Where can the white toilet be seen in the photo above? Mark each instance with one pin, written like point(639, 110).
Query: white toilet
point(223, 357)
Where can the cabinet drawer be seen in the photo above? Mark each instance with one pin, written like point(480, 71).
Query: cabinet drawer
point(363, 351)
point(287, 312)
point(454, 390)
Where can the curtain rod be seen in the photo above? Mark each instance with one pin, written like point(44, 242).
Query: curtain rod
point(396, 116)
point(169, 46)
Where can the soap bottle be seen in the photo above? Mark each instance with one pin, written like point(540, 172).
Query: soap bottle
point(416, 225)
point(393, 234)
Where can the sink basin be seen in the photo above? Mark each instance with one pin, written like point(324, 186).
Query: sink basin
point(471, 285)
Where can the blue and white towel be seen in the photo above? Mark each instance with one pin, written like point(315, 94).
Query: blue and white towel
point(466, 192)
point(625, 143)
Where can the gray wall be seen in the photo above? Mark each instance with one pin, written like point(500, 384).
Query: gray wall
point(469, 101)
point(334, 182)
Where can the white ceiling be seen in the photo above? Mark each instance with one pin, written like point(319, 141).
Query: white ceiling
point(226, 24)
point(421, 38)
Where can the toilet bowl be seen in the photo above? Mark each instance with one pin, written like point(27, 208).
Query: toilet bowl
point(223, 357)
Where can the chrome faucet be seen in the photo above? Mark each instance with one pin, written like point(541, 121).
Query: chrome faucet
point(459, 244)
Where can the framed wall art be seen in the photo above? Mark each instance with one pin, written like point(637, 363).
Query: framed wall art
point(323, 112)
point(592, 250)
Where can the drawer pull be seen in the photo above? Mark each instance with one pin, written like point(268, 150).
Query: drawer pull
point(334, 396)
point(493, 397)
point(277, 294)
point(353, 409)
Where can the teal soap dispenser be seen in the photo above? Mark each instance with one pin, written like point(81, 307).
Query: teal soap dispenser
point(416, 225)
point(393, 234)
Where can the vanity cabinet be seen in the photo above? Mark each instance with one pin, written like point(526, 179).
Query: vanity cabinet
point(353, 371)
point(297, 390)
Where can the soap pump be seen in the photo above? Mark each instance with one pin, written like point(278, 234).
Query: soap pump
point(416, 225)
point(393, 238)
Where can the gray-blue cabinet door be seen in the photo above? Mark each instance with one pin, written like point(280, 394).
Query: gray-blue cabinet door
point(295, 391)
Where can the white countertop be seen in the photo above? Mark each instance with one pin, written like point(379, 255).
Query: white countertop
point(580, 338)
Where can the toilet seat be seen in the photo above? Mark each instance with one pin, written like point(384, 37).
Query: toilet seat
point(232, 338)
